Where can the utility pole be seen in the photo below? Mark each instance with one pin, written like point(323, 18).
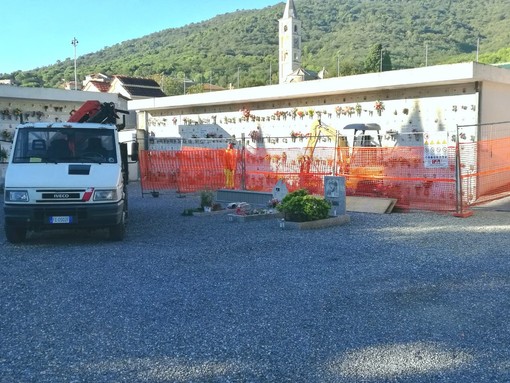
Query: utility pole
point(238, 76)
point(477, 48)
point(74, 42)
point(381, 57)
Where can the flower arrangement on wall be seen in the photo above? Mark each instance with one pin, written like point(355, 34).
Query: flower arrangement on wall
point(255, 135)
point(379, 107)
point(358, 109)
point(246, 113)
point(299, 135)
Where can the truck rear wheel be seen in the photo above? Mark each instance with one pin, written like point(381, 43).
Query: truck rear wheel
point(118, 231)
point(15, 234)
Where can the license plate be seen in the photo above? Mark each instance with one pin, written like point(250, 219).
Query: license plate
point(61, 219)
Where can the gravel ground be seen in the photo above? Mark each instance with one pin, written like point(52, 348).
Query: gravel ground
point(416, 297)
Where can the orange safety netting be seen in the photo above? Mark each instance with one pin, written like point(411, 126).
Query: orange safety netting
point(397, 172)
point(158, 170)
point(390, 172)
point(186, 170)
point(487, 177)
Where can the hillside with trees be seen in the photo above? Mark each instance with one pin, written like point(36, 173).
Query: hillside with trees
point(343, 36)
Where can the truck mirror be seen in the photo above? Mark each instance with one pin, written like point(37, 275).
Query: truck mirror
point(134, 151)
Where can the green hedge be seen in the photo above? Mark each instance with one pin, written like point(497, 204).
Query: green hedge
point(300, 206)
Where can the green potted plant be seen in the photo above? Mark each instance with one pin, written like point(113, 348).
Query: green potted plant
point(6, 135)
point(206, 199)
point(3, 154)
point(300, 206)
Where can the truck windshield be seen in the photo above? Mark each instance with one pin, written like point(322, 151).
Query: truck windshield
point(66, 145)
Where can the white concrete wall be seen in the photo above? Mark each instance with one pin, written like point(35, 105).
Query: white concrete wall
point(494, 98)
point(409, 112)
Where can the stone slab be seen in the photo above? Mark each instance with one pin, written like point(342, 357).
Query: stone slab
point(370, 204)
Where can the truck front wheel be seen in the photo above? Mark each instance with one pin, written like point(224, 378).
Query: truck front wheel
point(15, 234)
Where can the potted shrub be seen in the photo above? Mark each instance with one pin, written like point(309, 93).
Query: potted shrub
point(206, 200)
point(3, 154)
point(300, 206)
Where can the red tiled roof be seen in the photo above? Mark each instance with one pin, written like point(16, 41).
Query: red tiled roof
point(101, 85)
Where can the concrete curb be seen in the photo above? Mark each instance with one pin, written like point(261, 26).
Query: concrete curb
point(253, 217)
point(319, 224)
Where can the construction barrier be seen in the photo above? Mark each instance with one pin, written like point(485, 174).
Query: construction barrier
point(489, 177)
point(397, 172)
point(186, 170)
point(390, 172)
point(158, 170)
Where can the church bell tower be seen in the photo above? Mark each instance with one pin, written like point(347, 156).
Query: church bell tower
point(289, 42)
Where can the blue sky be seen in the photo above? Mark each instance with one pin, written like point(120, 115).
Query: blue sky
point(36, 33)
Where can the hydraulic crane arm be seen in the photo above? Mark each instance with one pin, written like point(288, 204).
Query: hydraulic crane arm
point(94, 111)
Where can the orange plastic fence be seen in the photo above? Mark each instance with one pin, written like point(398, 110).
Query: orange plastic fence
point(487, 178)
point(397, 172)
point(391, 172)
point(186, 170)
point(158, 170)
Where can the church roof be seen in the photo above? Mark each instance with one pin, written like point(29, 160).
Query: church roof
point(290, 10)
point(302, 74)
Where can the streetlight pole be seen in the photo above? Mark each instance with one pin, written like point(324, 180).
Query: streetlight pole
point(74, 42)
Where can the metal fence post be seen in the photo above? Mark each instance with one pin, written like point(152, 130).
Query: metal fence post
point(243, 161)
point(335, 159)
point(458, 181)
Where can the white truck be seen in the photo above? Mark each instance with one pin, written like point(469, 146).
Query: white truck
point(68, 175)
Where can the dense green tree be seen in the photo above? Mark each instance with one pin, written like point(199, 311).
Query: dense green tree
point(172, 86)
point(378, 60)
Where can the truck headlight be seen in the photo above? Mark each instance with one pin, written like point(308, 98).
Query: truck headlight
point(105, 195)
point(16, 196)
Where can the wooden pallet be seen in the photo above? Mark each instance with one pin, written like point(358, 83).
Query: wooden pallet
point(370, 204)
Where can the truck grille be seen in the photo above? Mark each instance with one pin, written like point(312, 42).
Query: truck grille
point(56, 196)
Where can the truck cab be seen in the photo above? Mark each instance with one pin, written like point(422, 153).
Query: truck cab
point(68, 175)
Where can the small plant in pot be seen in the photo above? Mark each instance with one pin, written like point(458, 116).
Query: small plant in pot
point(206, 200)
point(300, 206)
point(3, 154)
